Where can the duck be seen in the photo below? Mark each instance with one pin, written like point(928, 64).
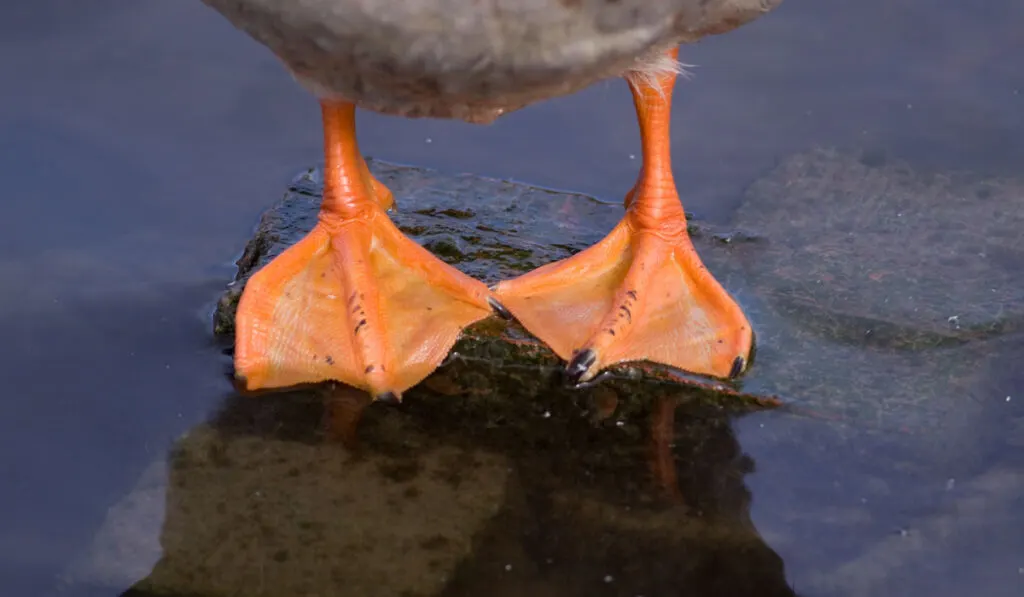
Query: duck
point(356, 301)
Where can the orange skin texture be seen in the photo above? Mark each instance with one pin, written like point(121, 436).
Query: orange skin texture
point(355, 300)
point(642, 293)
point(358, 302)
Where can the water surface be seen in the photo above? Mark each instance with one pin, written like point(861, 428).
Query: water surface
point(142, 139)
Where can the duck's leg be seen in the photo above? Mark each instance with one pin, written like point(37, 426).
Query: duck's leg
point(355, 300)
point(642, 293)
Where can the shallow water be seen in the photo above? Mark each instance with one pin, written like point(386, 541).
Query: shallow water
point(141, 141)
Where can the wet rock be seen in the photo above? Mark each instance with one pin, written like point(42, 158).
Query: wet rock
point(920, 259)
point(876, 291)
point(531, 487)
point(881, 293)
point(492, 230)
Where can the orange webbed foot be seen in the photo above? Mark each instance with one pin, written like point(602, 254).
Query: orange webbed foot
point(642, 293)
point(635, 296)
point(355, 300)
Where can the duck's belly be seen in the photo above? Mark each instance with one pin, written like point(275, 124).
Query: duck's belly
point(472, 59)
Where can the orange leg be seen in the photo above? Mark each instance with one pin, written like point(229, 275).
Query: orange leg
point(642, 293)
point(355, 300)
point(380, 193)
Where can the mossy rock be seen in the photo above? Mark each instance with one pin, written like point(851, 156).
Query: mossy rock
point(492, 230)
point(877, 292)
point(634, 485)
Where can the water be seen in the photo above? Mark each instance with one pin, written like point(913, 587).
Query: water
point(141, 141)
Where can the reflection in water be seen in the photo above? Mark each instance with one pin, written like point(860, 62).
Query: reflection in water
point(345, 407)
point(143, 138)
point(314, 493)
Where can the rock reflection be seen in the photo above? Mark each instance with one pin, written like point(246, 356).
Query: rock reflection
point(318, 492)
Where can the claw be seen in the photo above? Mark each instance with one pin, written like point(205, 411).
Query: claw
point(642, 293)
point(737, 367)
point(499, 308)
point(389, 398)
point(355, 300)
point(580, 365)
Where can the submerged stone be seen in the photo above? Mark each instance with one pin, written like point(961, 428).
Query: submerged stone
point(492, 230)
point(877, 292)
point(919, 259)
point(889, 295)
point(495, 476)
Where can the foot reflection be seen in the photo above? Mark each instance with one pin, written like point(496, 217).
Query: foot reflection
point(623, 488)
point(663, 467)
point(344, 409)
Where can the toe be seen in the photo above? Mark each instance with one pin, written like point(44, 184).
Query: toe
point(389, 398)
point(579, 367)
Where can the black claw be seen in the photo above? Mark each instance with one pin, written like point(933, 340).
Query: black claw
point(389, 398)
point(737, 368)
point(580, 364)
point(499, 308)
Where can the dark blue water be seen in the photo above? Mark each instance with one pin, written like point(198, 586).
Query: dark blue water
point(140, 140)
